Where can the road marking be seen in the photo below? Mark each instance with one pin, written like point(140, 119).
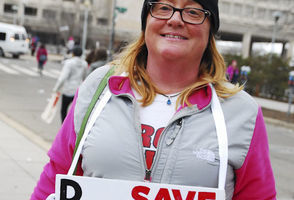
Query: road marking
point(46, 73)
point(54, 71)
point(24, 70)
point(8, 70)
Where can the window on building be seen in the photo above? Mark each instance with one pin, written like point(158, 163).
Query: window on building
point(237, 9)
point(2, 36)
point(83, 1)
point(90, 18)
point(49, 14)
point(10, 8)
point(102, 21)
point(249, 11)
point(225, 7)
point(30, 11)
point(68, 17)
point(261, 12)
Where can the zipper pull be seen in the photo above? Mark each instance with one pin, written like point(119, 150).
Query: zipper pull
point(173, 136)
point(148, 175)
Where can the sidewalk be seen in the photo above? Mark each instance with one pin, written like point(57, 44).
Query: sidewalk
point(274, 105)
point(278, 112)
point(21, 161)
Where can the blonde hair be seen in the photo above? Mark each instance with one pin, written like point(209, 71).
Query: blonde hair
point(133, 60)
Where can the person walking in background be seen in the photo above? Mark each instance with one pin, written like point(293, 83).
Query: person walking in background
point(172, 117)
point(42, 57)
point(98, 59)
point(70, 44)
point(233, 72)
point(34, 44)
point(72, 75)
point(245, 71)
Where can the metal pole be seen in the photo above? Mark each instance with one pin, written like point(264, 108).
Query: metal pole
point(85, 27)
point(291, 88)
point(274, 38)
point(277, 15)
point(112, 33)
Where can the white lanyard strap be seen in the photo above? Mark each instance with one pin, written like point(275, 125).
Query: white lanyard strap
point(91, 121)
point(222, 137)
point(219, 124)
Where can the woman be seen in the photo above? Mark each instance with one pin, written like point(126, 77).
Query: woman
point(41, 58)
point(71, 77)
point(233, 72)
point(159, 122)
point(98, 60)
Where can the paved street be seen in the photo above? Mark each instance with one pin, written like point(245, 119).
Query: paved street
point(24, 94)
point(25, 138)
point(282, 151)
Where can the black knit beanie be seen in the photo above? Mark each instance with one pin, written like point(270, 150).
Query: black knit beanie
point(211, 5)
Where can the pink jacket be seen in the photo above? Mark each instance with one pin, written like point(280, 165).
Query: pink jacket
point(254, 178)
point(41, 51)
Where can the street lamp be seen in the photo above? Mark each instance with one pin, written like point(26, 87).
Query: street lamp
point(85, 26)
point(277, 15)
point(112, 34)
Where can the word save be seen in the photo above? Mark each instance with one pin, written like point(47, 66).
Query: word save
point(142, 192)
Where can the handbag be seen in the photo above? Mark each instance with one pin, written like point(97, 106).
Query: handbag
point(50, 110)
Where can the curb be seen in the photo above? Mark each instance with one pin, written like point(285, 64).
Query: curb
point(279, 123)
point(33, 137)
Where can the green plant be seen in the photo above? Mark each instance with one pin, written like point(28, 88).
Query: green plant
point(268, 77)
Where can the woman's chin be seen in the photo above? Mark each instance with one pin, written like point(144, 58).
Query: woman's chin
point(172, 54)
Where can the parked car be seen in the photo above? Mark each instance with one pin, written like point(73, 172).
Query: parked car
point(13, 40)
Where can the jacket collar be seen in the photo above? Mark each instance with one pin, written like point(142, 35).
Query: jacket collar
point(121, 85)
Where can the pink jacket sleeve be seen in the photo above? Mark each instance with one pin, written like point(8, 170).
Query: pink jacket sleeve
point(60, 156)
point(255, 179)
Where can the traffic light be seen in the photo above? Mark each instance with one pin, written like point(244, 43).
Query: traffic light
point(121, 9)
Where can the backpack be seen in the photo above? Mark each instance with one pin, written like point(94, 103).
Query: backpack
point(43, 58)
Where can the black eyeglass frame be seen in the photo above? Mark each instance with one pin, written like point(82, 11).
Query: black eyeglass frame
point(206, 12)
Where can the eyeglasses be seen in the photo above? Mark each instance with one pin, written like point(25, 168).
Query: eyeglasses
point(188, 15)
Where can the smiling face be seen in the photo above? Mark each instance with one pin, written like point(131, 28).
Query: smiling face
point(175, 39)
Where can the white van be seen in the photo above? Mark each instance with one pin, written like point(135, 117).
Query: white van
point(13, 40)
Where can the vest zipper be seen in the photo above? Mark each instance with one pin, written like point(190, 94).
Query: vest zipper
point(147, 175)
point(148, 172)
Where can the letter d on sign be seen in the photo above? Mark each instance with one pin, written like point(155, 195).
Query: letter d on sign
point(63, 189)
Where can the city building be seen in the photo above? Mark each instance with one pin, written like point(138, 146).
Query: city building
point(246, 21)
point(251, 21)
point(54, 21)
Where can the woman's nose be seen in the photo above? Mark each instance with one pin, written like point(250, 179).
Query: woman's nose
point(176, 19)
